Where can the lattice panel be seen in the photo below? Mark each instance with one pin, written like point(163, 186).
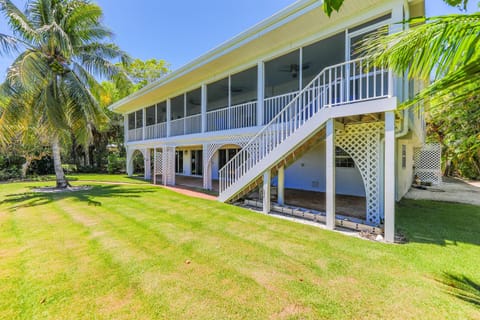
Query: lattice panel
point(362, 143)
point(168, 165)
point(158, 164)
point(428, 163)
point(209, 150)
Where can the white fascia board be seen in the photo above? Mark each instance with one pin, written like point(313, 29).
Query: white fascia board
point(280, 18)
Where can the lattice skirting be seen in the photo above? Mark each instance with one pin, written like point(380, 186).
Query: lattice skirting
point(362, 143)
point(209, 150)
point(428, 163)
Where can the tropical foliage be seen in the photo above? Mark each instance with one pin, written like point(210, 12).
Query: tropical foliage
point(444, 53)
point(62, 49)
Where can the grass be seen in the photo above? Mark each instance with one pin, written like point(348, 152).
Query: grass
point(141, 252)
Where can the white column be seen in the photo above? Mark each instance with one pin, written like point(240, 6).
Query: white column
point(125, 127)
point(144, 122)
point(266, 191)
point(184, 113)
point(129, 163)
point(147, 164)
point(169, 116)
point(154, 165)
point(281, 186)
point(207, 172)
point(260, 92)
point(300, 69)
point(330, 174)
point(204, 108)
point(389, 175)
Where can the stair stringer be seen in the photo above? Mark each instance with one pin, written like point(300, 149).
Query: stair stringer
point(308, 129)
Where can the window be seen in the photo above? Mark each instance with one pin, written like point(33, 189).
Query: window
point(404, 156)
point(197, 162)
point(217, 95)
point(162, 112)
point(150, 115)
point(178, 161)
point(139, 119)
point(194, 102)
point(178, 107)
point(131, 121)
point(225, 155)
point(243, 87)
point(343, 159)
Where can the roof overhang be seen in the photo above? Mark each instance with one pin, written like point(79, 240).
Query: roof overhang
point(298, 21)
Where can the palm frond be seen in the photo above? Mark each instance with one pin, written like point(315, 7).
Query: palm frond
point(19, 22)
point(445, 50)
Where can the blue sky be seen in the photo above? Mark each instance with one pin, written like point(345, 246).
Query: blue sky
point(179, 31)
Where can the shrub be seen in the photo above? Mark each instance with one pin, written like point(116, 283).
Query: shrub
point(116, 164)
point(12, 172)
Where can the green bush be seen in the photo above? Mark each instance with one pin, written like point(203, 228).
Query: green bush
point(12, 172)
point(116, 164)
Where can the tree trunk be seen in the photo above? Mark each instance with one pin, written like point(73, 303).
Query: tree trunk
point(25, 167)
point(87, 156)
point(62, 182)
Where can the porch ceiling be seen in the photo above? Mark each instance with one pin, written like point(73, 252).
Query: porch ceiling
point(305, 18)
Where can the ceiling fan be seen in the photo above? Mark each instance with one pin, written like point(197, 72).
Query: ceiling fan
point(294, 68)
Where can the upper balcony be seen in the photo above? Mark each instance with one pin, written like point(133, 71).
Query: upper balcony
point(252, 97)
point(196, 112)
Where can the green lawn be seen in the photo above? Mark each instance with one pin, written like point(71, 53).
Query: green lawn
point(138, 252)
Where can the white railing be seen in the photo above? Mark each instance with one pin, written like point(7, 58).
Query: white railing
point(344, 83)
point(273, 105)
point(240, 116)
point(135, 134)
point(193, 124)
point(156, 131)
point(187, 125)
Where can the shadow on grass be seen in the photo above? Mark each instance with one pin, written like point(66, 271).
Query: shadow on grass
point(441, 223)
point(462, 287)
point(90, 197)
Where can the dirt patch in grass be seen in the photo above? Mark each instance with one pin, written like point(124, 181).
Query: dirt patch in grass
point(61, 190)
point(291, 311)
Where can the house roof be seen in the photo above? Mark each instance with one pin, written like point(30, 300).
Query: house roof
point(298, 21)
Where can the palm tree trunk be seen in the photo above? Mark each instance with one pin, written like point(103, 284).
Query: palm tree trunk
point(62, 182)
point(25, 166)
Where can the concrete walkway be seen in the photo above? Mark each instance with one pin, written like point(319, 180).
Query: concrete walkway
point(451, 190)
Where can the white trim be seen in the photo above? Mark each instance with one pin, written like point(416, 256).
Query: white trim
point(275, 21)
point(330, 174)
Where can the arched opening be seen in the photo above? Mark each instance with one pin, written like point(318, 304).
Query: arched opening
point(217, 158)
point(138, 163)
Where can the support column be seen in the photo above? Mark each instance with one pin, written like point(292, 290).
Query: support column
point(330, 174)
point(389, 176)
point(204, 107)
point(266, 191)
point(154, 165)
point(144, 122)
point(125, 127)
point(129, 163)
point(207, 169)
point(260, 92)
point(169, 116)
point(147, 163)
point(281, 186)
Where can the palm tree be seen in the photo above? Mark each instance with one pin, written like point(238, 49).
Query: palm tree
point(62, 50)
point(443, 50)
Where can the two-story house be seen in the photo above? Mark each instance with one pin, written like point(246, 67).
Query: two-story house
point(288, 102)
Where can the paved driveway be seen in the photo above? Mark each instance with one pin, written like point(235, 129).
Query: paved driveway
point(451, 190)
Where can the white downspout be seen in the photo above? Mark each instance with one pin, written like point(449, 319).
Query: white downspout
point(404, 129)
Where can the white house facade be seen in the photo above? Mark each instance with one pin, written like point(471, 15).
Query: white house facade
point(286, 105)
